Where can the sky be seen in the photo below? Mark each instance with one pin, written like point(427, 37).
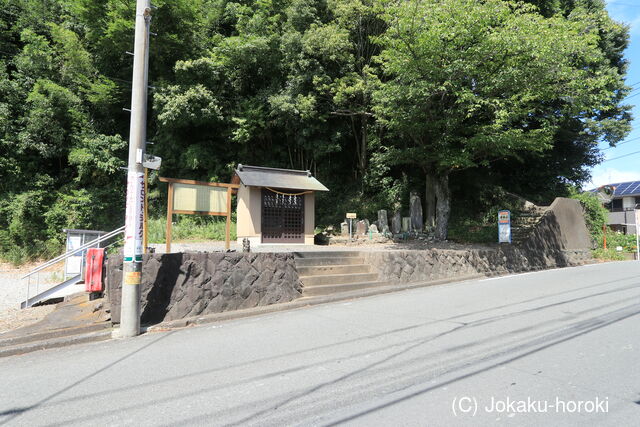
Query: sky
point(614, 170)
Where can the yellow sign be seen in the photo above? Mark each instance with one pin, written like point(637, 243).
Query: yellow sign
point(199, 198)
point(132, 278)
point(351, 215)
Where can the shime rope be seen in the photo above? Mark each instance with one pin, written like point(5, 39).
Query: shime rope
point(288, 194)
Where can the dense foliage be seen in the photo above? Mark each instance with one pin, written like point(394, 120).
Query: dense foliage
point(471, 97)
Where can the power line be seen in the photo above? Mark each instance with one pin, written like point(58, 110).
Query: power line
point(622, 143)
point(631, 96)
point(613, 3)
point(620, 157)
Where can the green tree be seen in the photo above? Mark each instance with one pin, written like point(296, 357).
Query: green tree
point(468, 82)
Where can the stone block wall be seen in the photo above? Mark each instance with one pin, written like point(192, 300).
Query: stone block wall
point(435, 264)
point(180, 285)
point(561, 239)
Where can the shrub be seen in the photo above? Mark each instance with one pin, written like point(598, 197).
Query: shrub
point(596, 215)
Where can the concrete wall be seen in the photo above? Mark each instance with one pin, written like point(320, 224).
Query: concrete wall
point(180, 285)
point(249, 214)
point(563, 227)
point(309, 217)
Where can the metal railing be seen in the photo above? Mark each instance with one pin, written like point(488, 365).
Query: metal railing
point(64, 256)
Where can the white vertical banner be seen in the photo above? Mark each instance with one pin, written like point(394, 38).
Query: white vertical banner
point(133, 234)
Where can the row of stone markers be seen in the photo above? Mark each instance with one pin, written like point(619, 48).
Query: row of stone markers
point(399, 227)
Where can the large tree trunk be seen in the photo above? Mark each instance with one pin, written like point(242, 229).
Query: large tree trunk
point(443, 209)
point(430, 202)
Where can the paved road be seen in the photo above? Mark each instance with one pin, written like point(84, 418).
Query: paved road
point(409, 358)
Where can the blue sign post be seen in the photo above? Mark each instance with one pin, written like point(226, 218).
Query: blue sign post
point(504, 226)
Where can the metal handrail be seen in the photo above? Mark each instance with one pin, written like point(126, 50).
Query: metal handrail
point(73, 252)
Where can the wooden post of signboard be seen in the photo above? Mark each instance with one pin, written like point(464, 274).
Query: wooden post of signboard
point(169, 218)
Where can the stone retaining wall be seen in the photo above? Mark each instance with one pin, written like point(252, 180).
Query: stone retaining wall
point(179, 285)
point(435, 264)
point(561, 239)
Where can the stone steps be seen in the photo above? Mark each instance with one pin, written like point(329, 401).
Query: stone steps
point(333, 269)
point(320, 261)
point(338, 279)
point(325, 254)
point(313, 291)
point(330, 272)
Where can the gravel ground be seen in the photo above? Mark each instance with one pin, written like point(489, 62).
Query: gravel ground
point(358, 245)
point(13, 292)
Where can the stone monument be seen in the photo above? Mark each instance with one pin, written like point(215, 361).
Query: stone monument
point(344, 228)
point(396, 223)
point(383, 221)
point(415, 212)
point(406, 224)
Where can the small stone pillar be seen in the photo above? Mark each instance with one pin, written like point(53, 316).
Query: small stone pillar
point(396, 223)
point(383, 221)
point(344, 228)
point(406, 223)
point(415, 212)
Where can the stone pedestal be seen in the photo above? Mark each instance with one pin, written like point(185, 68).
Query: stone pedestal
point(415, 212)
point(383, 221)
point(396, 223)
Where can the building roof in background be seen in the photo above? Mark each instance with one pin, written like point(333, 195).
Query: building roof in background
point(630, 188)
point(256, 176)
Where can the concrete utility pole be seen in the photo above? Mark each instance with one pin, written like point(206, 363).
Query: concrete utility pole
point(132, 267)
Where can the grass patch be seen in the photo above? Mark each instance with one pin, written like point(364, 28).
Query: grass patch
point(614, 239)
point(191, 228)
point(470, 231)
point(608, 254)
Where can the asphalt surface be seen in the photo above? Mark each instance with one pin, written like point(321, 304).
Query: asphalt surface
point(559, 347)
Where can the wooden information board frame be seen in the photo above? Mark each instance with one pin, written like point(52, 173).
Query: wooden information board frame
point(170, 206)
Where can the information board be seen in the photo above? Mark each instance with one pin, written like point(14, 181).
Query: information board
point(199, 198)
point(504, 226)
point(190, 197)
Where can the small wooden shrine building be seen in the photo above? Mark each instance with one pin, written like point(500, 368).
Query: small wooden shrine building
point(275, 205)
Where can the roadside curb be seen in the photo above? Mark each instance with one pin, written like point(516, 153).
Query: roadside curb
point(324, 299)
point(51, 334)
point(302, 303)
point(22, 348)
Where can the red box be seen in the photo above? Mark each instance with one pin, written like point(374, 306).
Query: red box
point(93, 274)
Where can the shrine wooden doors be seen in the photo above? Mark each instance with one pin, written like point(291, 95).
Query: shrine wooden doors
point(282, 217)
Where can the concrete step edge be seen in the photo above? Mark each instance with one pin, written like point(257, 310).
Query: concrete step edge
point(331, 266)
point(55, 342)
point(337, 279)
point(373, 283)
point(54, 333)
point(327, 254)
point(324, 261)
